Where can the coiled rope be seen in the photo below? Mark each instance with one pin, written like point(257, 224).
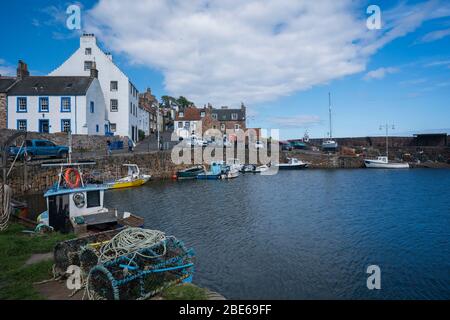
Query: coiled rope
point(5, 206)
point(131, 240)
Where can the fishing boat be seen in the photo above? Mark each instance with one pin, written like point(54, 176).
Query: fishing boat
point(235, 164)
point(134, 178)
point(262, 168)
point(293, 164)
point(73, 206)
point(190, 173)
point(383, 163)
point(251, 168)
point(230, 172)
point(215, 172)
point(330, 144)
point(248, 168)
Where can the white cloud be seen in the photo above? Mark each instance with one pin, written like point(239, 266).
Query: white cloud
point(438, 63)
point(379, 73)
point(6, 69)
point(299, 121)
point(225, 52)
point(435, 35)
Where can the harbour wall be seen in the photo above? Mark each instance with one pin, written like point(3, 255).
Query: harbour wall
point(80, 143)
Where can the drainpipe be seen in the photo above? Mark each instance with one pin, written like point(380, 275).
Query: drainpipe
point(76, 122)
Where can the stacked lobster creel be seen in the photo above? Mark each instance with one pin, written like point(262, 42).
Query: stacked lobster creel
point(137, 274)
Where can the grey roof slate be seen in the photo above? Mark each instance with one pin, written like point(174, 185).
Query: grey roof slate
point(52, 86)
point(225, 114)
point(5, 83)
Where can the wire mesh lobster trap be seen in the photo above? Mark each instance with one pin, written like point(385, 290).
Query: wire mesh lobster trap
point(140, 274)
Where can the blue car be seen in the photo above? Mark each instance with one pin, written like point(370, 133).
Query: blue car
point(38, 148)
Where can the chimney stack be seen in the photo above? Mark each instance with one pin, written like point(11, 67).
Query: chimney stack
point(22, 70)
point(94, 71)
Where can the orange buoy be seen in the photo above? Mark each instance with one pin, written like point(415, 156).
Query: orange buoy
point(68, 178)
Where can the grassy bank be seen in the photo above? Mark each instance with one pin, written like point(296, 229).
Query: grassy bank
point(16, 247)
point(17, 278)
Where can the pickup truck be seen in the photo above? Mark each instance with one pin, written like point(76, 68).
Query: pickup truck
point(38, 148)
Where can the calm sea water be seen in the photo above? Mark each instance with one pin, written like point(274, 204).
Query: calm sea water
point(308, 234)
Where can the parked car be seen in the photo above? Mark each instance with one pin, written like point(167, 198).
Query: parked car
point(285, 146)
point(298, 145)
point(259, 145)
point(38, 148)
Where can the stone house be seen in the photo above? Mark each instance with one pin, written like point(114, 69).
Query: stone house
point(5, 84)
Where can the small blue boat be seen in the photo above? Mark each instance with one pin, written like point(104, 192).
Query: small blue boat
point(214, 173)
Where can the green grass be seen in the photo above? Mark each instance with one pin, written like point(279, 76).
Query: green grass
point(185, 291)
point(16, 247)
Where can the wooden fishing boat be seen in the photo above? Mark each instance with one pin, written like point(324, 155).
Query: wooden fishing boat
point(215, 172)
point(190, 173)
point(133, 179)
point(293, 164)
point(73, 206)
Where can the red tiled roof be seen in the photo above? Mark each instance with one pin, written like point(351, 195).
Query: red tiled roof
point(190, 114)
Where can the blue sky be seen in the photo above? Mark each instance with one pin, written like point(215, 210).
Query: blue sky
point(281, 64)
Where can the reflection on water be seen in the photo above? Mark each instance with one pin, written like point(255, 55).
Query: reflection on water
point(308, 234)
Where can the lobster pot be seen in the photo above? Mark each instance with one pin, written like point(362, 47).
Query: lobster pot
point(68, 253)
point(142, 274)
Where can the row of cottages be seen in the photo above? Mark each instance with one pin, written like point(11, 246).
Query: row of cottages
point(199, 121)
point(53, 104)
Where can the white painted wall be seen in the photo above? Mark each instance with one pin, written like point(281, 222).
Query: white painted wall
point(108, 71)
point(81, 120)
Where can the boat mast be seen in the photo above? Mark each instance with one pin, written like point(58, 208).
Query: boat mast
point(386, 126)
point(329, 106)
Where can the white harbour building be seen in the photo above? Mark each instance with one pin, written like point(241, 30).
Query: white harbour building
point(56, 104)
point(121, 96)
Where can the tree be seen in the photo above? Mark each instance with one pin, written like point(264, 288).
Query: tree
point(184, 103)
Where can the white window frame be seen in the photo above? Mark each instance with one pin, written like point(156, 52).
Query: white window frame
point(116, 107)
point(114, 86)
point(22, 125)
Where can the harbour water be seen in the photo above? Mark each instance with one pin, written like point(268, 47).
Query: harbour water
point(308, 234)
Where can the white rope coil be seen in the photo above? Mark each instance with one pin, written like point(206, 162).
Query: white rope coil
point(5, 206)
point(131, 240)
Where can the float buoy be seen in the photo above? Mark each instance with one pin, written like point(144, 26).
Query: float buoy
point(68, 178)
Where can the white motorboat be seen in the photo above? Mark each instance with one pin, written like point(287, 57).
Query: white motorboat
point(235, 164)
point(262, 168)
point(383, 163)
point(231, 173)
point(293, 164)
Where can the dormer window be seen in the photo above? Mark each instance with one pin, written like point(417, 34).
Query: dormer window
point(234, 116)
point(214, 116)
point(88, 51)
point(181, 114)
point(202, 114)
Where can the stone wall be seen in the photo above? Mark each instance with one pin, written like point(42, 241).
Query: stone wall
point(376, 142)
point(31, 178)
point(80, 143)
point(3, 111)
